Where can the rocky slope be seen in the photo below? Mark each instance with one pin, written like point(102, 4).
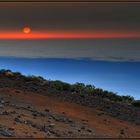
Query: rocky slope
point(32, 109)
point(121, 110)
point(27, 114)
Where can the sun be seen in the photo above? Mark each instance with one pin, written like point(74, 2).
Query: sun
point(26, 30)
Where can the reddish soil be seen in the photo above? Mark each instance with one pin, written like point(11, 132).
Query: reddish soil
point(100, 124)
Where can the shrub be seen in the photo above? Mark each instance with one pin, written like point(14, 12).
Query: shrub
point(34, 78)
point(136, 103)
point(66, 87)
point(127, 98)
point(98, 91)
point(17, 73)
point(5, 72)
point(111, 95)
point(89, 89)
point(78, 87)
point(59, 85)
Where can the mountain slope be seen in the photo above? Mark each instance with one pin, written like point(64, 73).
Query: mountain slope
point(34, 107)
point(29, 114)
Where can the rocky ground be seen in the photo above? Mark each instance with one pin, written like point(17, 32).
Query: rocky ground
point(20, 118)
point(121, 110)
point(25, 114)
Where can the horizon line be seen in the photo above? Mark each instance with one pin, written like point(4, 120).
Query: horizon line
point(66, 35)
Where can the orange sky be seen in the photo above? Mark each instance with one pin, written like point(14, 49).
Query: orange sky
point(67, 35)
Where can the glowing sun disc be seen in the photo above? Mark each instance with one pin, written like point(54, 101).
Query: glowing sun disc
point(26, 30)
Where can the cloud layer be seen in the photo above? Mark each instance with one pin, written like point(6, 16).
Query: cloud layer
point(100, 49)
point(74, 17)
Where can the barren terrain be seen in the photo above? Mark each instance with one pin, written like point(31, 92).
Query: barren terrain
point(29, 114)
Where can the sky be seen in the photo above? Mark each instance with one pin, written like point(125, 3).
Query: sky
point(95, 43)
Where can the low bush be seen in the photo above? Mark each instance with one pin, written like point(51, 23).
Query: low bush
point(63, 87)
point(136, 103)
point(128, 98)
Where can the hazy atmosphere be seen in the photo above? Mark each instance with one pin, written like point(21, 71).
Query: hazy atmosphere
point(101, 41)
